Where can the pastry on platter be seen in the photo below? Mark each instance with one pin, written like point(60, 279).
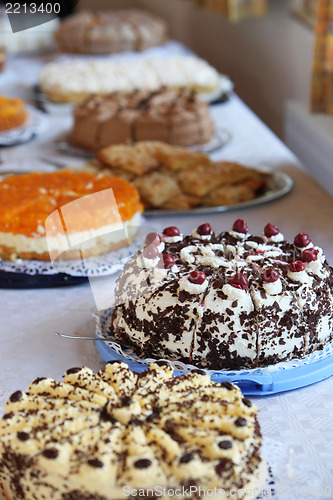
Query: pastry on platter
point(107, 435)
point(172, 177)
point(93, 214)
point(110, 31)
point(177, 117)
point(225, 300)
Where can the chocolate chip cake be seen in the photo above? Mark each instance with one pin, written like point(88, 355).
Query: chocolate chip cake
point(116, 433)
point(227, 300)
point(175, 178)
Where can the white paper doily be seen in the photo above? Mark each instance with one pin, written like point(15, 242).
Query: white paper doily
point(36, 124)
point(273, 379)
point(102, 265)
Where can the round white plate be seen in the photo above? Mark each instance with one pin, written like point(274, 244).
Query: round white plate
point(223, 91)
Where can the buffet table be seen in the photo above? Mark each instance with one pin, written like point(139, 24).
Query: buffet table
point(296, 425)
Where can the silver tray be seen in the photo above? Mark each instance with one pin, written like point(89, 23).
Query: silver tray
point(280, 185)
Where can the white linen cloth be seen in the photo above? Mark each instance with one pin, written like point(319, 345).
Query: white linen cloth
point(301, 419)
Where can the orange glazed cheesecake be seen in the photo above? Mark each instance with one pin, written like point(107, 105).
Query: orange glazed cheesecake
point(65, 214)
point(12, 113)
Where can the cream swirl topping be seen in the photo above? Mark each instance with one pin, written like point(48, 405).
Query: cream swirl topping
point(186, 254)
point(172, 239)
point(160, 247)
point(203, 237)
point(233, 293)
point(273, 288)
point(237, 235)
point(146, 263)
point(301, 276)
point(274, 239)
point(193, 288)
point(161, 273)
point(310, 245)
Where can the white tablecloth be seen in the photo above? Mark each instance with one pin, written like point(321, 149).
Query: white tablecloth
point(298, 425)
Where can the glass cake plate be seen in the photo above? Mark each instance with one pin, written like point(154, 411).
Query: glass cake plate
point(265, 381)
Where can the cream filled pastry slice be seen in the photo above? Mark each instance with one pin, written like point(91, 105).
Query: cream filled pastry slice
point(74, 81)
point(96, 436)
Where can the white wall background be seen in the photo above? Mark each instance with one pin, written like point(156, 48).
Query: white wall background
point(269, 59)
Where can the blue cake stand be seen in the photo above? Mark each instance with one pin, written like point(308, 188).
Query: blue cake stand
point(284, 376)
point(259, 382)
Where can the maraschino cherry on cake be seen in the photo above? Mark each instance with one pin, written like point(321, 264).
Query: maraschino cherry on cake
point(226, 300)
